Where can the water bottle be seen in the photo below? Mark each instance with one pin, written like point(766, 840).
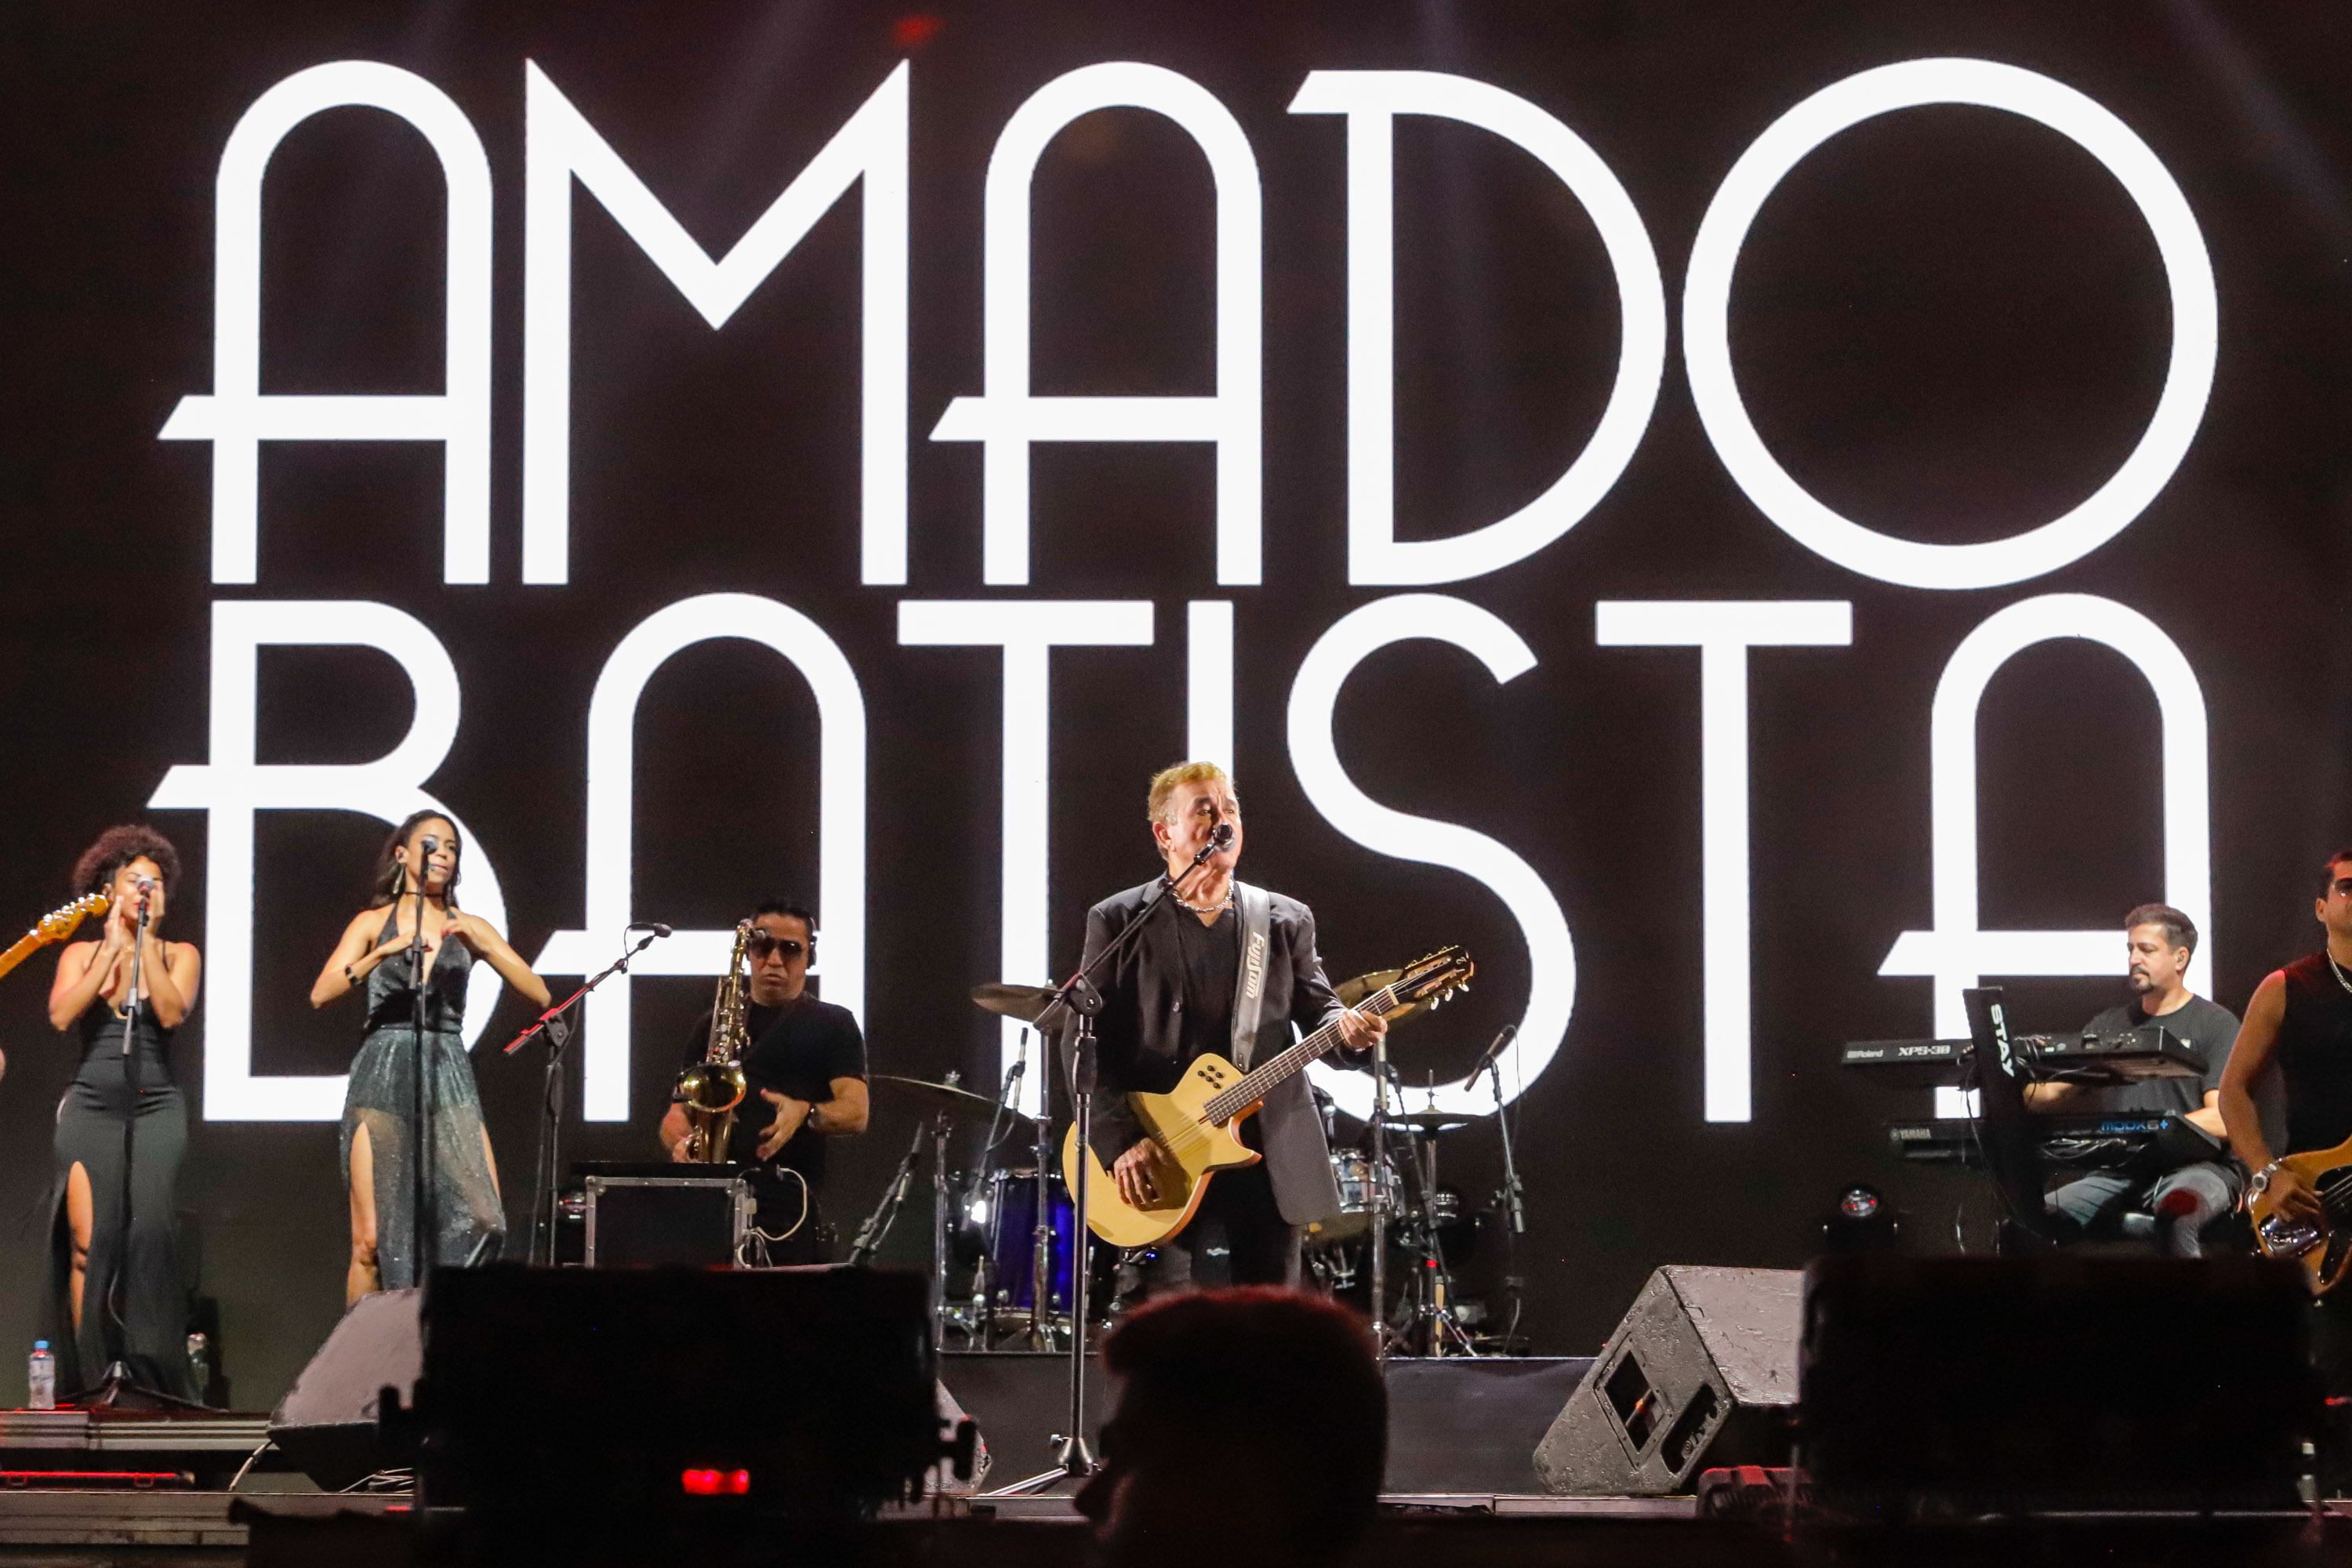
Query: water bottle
point(42, 1375)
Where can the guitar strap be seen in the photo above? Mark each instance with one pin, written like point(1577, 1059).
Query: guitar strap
point(1255, 908)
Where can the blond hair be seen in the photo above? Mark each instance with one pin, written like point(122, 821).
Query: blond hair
point(1167, 780)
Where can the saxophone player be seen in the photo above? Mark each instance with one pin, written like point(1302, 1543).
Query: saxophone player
point(804, 1071)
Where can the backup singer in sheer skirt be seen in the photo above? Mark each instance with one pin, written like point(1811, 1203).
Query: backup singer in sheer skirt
point(416, 879)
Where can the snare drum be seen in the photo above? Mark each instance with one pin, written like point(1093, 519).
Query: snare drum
point(1353, 1168)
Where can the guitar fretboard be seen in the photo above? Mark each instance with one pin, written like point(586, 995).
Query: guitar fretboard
point(1254, 1085)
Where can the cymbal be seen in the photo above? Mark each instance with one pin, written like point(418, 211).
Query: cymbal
point(945, 1097)
point(1428, 1120)
point(1352, 992)
point(1022, 1002)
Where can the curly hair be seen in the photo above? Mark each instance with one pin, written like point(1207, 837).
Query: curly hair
point(117, 848)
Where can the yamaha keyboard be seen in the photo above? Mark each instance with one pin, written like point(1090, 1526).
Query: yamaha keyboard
point(2089, 1142)
point(2125, 1056)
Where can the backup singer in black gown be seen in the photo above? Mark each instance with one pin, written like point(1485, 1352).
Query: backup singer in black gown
point(461, 1178)
point(114, 1286)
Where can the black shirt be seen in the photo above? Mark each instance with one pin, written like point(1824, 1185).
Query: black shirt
point(2206, 1027)
point(797, 1049)
point(2315, 1056)
point(1213, 965)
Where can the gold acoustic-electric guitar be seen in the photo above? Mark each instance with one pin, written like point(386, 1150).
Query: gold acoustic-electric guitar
point(2323, 1246)
point(53, 927)
point(1195, 1121)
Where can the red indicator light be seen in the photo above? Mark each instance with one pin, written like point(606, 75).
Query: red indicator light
point(715, 1483)
point(739, 1483)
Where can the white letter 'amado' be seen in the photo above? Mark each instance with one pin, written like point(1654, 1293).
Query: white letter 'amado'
point(1006, 420)
point(1315, 758)
point(237, 417)
point(612, 826)
point(231, 786)
point(1707, 341)
point(871, 145)
point(1371, 101)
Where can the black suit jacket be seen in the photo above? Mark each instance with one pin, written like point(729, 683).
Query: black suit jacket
point(1139, 1038)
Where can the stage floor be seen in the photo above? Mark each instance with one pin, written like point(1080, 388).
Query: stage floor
point(54, 1529)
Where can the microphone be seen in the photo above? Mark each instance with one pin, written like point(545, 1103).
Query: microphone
point(656, 927)
point(145, 885)
point(1223, 839)
point(1486, 1057)
point(431, 845)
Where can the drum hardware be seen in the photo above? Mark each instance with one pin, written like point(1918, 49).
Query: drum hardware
point(1432, 1323)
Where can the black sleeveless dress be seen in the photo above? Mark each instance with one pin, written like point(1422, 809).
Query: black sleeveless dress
point(469, 1222)
point(134, 1303)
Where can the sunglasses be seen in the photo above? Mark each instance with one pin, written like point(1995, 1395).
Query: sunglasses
point(760, 947)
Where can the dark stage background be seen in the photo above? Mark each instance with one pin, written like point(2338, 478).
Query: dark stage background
point(1949, 322)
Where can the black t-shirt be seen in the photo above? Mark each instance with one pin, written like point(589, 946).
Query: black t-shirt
point(797, 1050)
point(1212, 964)
point(2206, 1027)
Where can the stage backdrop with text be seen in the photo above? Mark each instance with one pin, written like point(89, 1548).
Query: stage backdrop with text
point(1749, 520)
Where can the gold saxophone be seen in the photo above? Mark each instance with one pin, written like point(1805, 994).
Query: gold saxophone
point(712, 1087)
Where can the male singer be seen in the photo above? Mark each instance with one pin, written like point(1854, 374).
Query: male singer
point(1227, 968)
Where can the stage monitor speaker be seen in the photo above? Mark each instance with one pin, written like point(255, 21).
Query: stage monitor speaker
point(1701, 1373)
point(327, 1422)
point(620, 1405)
point(2054, 1382)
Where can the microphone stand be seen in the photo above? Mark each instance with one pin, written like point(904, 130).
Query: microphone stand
point(421, 1116)
point(119, 1379)
point(545, 1192)
point(1515, 1208)
point(1078, 1001)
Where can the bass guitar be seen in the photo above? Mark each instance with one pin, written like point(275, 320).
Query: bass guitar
point(53, 927)
point(1194, 1122)
point(2323, 1246)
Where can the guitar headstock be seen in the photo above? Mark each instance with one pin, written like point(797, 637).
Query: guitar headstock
point(59, 923)
point(1430, 981)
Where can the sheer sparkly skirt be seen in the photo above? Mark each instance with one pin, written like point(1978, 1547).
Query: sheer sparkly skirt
point(468, 1221)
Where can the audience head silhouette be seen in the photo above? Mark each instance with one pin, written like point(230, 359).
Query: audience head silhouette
point(1252, 1429)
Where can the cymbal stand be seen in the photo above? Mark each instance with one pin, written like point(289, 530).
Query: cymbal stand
point(939, 1130)
point(1041, 1251)
point(1433, 1323)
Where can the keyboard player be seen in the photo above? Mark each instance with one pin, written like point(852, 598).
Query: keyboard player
point(2185, 1198)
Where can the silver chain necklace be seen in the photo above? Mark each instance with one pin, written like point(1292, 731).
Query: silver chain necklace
point(2337, 970)
point(1226, 903)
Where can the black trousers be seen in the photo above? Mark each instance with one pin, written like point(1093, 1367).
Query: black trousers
point(1238, 1213)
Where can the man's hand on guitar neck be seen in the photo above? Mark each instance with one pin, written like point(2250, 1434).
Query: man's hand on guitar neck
point(1358, 1029)
point(1143, 1172)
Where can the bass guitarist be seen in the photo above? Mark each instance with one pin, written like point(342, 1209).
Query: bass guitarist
point(1227, 968)
point(2300, 1019)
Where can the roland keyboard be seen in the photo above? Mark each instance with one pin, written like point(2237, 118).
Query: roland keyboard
point(2126, 1056)
point(2092, 1141)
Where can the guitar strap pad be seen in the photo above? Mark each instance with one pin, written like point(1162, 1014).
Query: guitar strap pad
point(1255, 908)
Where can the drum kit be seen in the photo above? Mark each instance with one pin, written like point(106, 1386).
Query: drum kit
point(1008, 1225)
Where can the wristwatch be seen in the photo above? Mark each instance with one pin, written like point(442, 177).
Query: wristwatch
point(2262, 1182)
